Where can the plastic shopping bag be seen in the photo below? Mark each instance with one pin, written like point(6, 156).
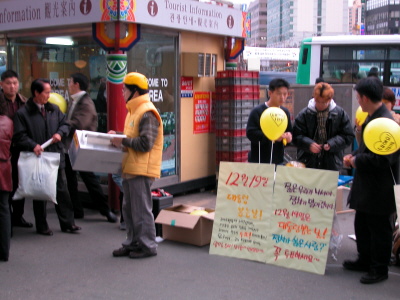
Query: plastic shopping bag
point(37, 176)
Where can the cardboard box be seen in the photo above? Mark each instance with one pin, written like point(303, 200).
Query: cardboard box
point(178, 225)
point(93, 152)
point(342, 194)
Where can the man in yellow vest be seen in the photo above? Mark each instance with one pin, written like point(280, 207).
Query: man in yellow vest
point(142, 164)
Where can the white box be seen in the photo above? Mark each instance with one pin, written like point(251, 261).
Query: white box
point(341, 198)
point(93, 152)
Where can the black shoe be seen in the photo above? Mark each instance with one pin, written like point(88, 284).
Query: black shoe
point(3, 258)
point(123, 251)
point(21, 222)
point(111, 217)
point(373, 277)
point(71, 229)
point(141, 254)
point(355, 265)
point(45, 232)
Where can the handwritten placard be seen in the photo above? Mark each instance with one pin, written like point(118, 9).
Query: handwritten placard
point(240, 223)
point(301, 218)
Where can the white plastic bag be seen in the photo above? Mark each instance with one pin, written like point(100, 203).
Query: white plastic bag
point(37, 176)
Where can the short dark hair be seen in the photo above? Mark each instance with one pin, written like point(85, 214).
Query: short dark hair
point(82, 80)
point(371, 87)
point(388, 95)
point(278, 83)
point(38, 85)
point(8, 74)
point(133, 88)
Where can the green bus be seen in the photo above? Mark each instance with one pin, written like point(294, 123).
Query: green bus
point(348, 58)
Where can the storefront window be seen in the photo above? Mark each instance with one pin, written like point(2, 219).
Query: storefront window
point(155, 56)
point(3, 60)
point(57, 63)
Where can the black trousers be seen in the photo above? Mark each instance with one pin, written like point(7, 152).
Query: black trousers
point(5, 225)
point(374, 239)
point(64, 207)
point(92, 184)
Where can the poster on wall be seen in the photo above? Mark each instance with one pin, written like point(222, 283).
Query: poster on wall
point(186, 87)
point(202, 112)
point(240, 223)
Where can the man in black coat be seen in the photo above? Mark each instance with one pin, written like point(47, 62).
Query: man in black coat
point(34, 124)
point(261, 146)
point(372, 194)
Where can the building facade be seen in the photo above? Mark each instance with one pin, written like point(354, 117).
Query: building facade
point(258, 15)
point(382, 17)
point(357, 17)
point(179, 48)
point(289, 22)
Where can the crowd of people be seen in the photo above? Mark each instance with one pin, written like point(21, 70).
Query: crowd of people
point(26, 124)
point(321, 132)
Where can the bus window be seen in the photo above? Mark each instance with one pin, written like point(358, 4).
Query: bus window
point(395, 73)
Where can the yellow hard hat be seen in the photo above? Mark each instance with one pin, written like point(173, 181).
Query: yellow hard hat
point(138, 79)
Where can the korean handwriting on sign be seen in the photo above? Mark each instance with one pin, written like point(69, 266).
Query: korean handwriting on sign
point(237, 179)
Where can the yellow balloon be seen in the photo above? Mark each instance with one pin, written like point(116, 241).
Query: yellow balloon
point(58, 100)
point(382, 136)
point(361, 116)
point(199, 212)
point(273, 122)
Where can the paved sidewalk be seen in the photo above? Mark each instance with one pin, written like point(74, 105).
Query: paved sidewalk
point(81, 266)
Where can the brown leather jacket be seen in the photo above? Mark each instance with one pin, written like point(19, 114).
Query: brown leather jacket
point(6, 133)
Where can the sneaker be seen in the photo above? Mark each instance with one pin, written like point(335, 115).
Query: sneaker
point(372, 277)
point(141, 254)
point(123, 251)
point(122, 226)
point(355, 265)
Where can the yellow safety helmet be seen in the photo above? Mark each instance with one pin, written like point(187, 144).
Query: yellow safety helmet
point(137, 79)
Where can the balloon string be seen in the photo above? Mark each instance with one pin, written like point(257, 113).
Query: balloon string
point(272, 150)
point(259, 152)
point(394, 179)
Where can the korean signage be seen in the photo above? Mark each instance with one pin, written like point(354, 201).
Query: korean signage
point(22, 14)
point(202, 112)
point(186, 87)
point(178, 14)
point(285, 222)
point(191, 15)
point(271, 53)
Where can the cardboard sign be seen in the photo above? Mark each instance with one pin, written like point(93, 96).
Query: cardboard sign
point(240, 223)
point(301, 218)
point(285, 222)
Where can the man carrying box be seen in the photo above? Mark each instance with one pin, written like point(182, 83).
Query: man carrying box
point(144, 143)
point(82, 115)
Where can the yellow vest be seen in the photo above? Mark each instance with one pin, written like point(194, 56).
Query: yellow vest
point(142, 163)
